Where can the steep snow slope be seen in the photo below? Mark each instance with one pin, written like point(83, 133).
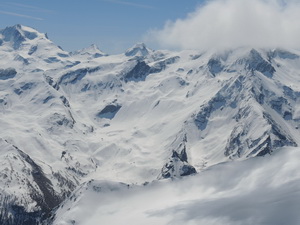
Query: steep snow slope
point(136, 117)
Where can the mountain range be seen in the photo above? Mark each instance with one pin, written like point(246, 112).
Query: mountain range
point(85, 123)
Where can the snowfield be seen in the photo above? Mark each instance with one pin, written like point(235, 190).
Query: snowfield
point(85, 123)
point(257, 191)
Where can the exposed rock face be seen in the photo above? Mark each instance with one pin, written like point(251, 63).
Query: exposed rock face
point(109, 111)
point(40, 192)
point(178, 165)
point(75, 76)
point(7, 73)
point(256, 62)
point(215, 66)
point(139, 72)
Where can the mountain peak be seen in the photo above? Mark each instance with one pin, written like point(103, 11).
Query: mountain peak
point(138, 49)
point(18, 33)
point(93, 51)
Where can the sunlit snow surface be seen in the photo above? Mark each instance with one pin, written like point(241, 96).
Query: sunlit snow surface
point(262, 190)
point(68, 118)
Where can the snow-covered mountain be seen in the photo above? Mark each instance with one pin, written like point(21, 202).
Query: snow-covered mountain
point(92, 51)
point(145, 115)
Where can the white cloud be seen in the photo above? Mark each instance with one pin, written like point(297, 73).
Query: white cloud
point(20, 15)
point(234, 23)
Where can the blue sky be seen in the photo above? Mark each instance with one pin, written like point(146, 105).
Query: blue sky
point(114, 25)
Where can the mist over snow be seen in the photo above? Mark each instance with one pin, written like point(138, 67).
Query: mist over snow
point(262, 191)
point(233, 23)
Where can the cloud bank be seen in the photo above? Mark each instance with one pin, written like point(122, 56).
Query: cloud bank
point(234, 23)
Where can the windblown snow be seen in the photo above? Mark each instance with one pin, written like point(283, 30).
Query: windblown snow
point(89, 137)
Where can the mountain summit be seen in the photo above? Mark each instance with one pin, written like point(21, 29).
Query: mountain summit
point(18, 34)
point(139, 49)
point(93, 51)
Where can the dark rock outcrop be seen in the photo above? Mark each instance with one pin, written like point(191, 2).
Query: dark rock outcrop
point(178, 165)
point(109, 111)
point(8, 73)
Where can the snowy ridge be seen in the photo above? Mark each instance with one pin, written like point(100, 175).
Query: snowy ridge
point(133, 118)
